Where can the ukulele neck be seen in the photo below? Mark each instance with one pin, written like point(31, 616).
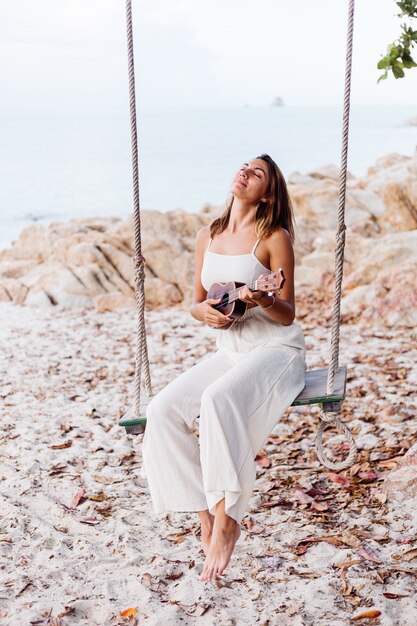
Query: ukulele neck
point(234, 293)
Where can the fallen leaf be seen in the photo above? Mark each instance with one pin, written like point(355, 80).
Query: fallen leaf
point(394, 596)
point(68, 610)
point(253, 528)
point(91, 521)
point(177, 537)
point(303, 497)
point(77, 497)
point(368, 476)
point(146, 579)
point(263, 460)
point(129, 612)
point(105, 511)
point(201, 609)
point(337, 478)
point(61, 446)
point(368, 554)
point(280, 502)
point(406, 555)
point(319, 506)
point(104, 479)
point(174, 576)
point(266, 486)
point(368, 614)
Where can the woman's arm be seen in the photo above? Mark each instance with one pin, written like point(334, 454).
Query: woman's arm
point(201, 308)
point(281, 255)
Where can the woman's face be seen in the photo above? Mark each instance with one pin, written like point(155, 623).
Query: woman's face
point(251, 181)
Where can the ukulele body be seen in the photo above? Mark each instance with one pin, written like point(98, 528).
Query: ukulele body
point(235, 309)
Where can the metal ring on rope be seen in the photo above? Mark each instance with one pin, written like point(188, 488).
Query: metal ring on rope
point(329, 419)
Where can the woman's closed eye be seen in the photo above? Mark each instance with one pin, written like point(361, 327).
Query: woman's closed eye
point(248, 171)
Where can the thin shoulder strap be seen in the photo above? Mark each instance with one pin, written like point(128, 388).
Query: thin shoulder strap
point(208, 247)
point(255, 246)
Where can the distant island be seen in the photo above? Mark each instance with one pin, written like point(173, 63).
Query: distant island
point(278, 102)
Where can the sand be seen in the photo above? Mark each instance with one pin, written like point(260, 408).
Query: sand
point(79, 541)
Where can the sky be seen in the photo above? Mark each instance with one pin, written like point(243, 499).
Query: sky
point(70, 55)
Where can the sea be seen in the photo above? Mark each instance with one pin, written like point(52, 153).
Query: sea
point(53, 168)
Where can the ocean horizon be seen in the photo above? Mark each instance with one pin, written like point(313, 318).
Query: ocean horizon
point(59, 167)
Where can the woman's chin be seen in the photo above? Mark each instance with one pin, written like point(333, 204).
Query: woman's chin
point(238, 191)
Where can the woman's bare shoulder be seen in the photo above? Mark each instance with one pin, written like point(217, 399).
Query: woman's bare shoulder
point(280, 237)
point(202, 237)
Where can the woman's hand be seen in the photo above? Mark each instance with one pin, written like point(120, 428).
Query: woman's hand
point(205, 312)
point(254, 298)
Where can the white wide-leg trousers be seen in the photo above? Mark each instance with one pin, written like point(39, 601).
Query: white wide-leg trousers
point(239, 398)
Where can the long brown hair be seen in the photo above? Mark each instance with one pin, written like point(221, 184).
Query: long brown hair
point(270, 215)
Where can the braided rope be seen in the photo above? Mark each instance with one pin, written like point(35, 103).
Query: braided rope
point(339, 257)
point(328, 418)
point(141, 356)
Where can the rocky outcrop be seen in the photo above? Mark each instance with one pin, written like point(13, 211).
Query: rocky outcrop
point(88, 262)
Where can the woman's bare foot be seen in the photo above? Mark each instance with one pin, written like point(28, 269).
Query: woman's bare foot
point(207, 523)
point(226, 532)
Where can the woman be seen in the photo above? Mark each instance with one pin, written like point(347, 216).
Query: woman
point(241, 391)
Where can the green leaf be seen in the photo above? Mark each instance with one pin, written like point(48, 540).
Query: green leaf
point(397, 71)
point(393, 51)
point(383, 76)
point(408, 60)
point(383, 63)
point(408, 7)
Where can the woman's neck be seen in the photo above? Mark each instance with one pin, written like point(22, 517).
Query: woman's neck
point(242, 215)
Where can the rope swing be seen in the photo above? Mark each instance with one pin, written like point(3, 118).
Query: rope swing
point(325, 387)
point(141, 357)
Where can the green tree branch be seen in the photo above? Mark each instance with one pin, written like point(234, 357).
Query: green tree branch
point(398, 56)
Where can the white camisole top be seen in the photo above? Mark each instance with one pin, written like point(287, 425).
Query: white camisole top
point(221, 268)
point(255, 328)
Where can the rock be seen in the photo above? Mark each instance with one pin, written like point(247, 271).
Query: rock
point(38, 297)
point(112, 301)
point(314, 267)
point(401, 483)
point(400, 201)
point(328, 171)
point(159, 293)
point(316, 206)
point(77, 263)
point(373, 257)
point(381, 286)
point(387, 162)
point(13, 290)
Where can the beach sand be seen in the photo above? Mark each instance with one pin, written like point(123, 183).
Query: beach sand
point(79, 541)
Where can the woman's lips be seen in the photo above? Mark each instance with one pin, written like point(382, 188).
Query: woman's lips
point(240, 182)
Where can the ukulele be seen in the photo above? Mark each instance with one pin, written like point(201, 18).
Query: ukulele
point(230, 304)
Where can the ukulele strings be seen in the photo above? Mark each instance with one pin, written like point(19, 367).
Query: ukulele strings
point(233, 295)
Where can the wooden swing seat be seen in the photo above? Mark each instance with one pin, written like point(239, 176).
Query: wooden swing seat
point(314, 392)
